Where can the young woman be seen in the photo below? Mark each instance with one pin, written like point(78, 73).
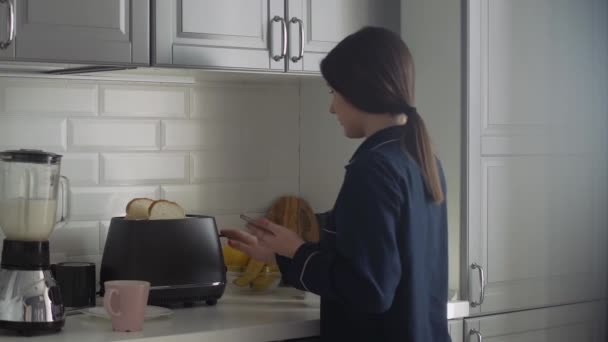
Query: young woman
point(381, 265)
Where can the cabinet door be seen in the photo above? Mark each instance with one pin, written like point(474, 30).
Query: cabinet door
point(580, 322)
point(537, 162)
point(219, 34)
point(87, 31)
point(9, 52)
point(455, 328)
point(327, 22)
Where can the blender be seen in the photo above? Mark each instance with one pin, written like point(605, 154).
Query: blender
point(30, 300)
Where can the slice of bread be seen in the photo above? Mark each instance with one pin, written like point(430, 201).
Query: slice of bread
point(165, 210)
point(138, 208)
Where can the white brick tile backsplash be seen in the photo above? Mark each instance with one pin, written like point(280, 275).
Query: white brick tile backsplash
point(144, 168)
point(218, 148)
point(230, 197)
point(103, 203)
point(76, 238)
point(44, 97)
point(229, 165)
point(111, 135)
point(81, 168)
point(39, 133)
point(150, 101)
point(212, 134)
point(181, 135)
point(219, 101)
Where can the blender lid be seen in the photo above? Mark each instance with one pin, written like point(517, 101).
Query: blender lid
point(30, 156)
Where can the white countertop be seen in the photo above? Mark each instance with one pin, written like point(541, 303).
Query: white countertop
point(234, 318)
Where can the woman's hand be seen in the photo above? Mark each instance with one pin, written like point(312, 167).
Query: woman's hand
point(265, 237)
point(277, 238)
point(248, 244)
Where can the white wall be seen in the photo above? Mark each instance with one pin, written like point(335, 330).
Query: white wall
point(431, 28)
point(217, 148)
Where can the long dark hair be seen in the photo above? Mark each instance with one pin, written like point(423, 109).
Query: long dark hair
point(374, 70)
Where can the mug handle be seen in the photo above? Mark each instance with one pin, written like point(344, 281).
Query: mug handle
point(107, 302)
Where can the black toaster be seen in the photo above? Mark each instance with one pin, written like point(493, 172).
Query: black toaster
point(181, 258)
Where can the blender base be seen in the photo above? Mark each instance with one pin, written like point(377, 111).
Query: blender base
point(32, 328)
point(30, 301)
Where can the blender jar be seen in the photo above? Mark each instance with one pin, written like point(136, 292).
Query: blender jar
point(29, 183)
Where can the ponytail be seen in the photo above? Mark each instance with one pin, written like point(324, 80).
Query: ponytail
point(417, 143)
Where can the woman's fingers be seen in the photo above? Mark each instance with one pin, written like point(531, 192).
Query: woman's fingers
point(258, 232)
point(240, 236)
point(243, 247)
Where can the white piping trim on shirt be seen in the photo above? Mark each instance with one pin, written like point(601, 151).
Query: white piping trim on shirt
point(384, 143)
point(304, 269)
point(375, 147)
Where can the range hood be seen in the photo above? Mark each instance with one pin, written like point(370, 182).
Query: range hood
point(85, 69)
point(35, 68)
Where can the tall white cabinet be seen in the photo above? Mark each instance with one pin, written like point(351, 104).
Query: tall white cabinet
point(536, 175)
point(528, 79)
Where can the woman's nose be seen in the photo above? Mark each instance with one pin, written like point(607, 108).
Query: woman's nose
point(331, 109)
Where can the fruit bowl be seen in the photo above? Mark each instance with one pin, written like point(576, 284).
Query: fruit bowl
point(266, 281)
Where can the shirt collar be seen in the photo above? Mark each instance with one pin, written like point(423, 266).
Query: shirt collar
point(381, 137)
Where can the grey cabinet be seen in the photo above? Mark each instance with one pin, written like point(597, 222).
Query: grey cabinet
point(537, 184)
point(318, 25)
point(249, 34)
point(6, 8)
point(238, 34)
point(580, 322)
point(455, 327)
point(81, 31)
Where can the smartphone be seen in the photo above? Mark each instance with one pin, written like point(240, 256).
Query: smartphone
point(248, 219)
point(251, 221)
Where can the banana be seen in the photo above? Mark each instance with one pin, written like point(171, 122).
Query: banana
point(254, 268)
point(264, 281)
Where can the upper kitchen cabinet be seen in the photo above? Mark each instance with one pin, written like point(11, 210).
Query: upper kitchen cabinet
point(78, 31)
point(7, 29)
point(239, 34)
point(275, 35)
point(316, 26)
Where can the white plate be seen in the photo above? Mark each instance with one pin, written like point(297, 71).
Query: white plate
point(151, 312)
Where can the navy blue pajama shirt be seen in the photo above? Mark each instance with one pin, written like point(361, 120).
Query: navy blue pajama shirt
point(381, 264)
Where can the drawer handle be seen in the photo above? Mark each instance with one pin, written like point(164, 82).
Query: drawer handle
point(476, 333)
point(283, 38)
point(482, 285)
point(10, 27)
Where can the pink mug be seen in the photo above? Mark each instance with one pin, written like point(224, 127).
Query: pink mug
point(125, 301)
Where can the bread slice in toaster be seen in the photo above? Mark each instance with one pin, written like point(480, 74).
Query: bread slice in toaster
point(165, 210)
point(137, 208)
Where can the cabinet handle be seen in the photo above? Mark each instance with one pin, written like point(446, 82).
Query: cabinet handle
point(476, 333)
point(10, 27)
point(283, 38)
point(294, 20)
point(482, 284)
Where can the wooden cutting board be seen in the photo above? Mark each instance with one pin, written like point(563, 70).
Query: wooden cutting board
point(296, 214)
